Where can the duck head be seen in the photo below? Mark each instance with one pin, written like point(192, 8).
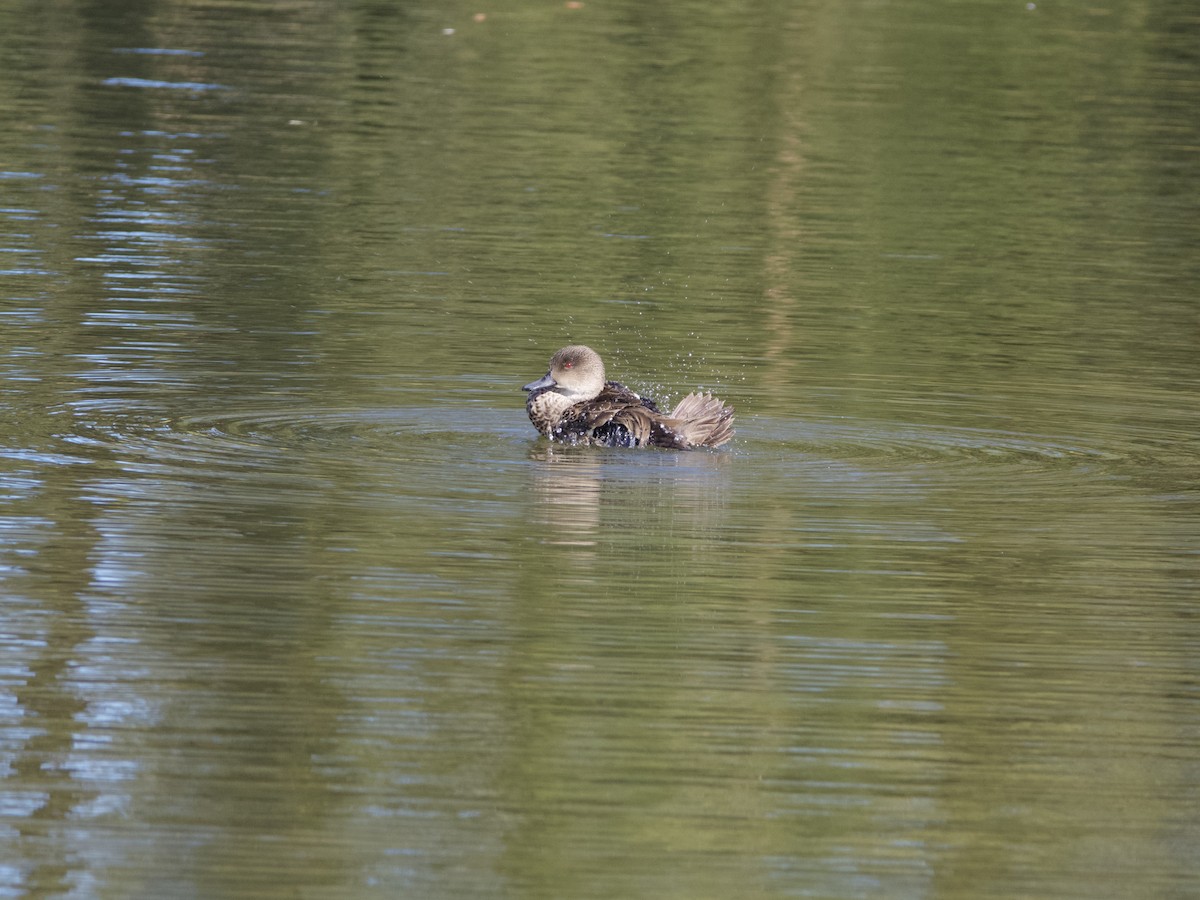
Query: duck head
point(576, 372)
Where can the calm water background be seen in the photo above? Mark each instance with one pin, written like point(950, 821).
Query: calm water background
point(295, 603)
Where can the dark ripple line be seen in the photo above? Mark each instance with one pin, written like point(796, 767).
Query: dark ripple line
point(261, 436)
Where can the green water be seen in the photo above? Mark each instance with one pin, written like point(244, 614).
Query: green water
point(295, 603)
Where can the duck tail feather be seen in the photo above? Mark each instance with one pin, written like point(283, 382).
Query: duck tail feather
point(704, 421)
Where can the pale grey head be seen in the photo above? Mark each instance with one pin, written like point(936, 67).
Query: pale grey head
point(575, 372)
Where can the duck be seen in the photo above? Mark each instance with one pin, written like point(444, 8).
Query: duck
point(574, 403)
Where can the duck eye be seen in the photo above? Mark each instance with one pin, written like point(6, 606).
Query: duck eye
point(568, 365)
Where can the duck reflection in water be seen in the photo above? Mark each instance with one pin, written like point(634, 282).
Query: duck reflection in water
point(574, 404)
point(567, 488)
point(583, 500)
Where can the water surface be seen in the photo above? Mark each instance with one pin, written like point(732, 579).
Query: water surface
point(297, 604)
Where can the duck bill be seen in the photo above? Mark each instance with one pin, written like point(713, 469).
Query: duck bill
point(544, 382)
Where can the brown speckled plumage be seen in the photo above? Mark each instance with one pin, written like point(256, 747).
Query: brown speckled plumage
point(573, 403)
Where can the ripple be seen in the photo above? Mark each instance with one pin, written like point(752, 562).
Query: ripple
point(339, 426)
point(892, 452)
point(256, 438)
point(863, 439)
point(879, 459)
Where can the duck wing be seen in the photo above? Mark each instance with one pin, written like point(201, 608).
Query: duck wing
point(619, 417)
point(615, 392)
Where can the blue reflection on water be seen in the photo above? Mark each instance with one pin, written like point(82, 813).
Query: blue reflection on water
point(169, 85)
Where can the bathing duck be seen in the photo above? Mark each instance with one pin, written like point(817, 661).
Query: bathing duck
point(573, 403)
